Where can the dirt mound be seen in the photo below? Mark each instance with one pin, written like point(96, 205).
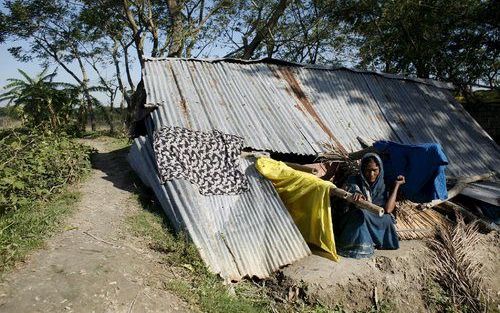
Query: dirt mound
point(397, 280)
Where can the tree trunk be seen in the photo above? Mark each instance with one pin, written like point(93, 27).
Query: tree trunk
point(136, 33)
point(177, 36)
point(86, 93)
point(122, 87)
point(109, 115)
point(127, 67)
point(263, 31)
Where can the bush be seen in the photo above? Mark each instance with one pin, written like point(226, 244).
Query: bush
point(36, 164)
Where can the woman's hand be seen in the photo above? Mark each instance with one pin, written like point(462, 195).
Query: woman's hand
point(400, 180)
point(357, 196)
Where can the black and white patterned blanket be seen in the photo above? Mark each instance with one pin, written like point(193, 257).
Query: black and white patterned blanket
point(209, 160)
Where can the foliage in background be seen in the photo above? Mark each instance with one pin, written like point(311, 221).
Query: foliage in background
point(457, 267)
point(10, 117)
point(456, 41)
point(40, 100)
point(10, 112)
point(449, 40)
point(36, 164)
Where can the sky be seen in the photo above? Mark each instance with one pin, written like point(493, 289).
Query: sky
point(9, 69)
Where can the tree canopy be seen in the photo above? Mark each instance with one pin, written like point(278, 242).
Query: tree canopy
point(42, 100)
point(456, 41)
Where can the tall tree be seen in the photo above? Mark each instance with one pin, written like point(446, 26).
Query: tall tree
point(454, 40)
point(298, 31)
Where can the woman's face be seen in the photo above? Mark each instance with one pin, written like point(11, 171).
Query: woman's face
point(371, 171)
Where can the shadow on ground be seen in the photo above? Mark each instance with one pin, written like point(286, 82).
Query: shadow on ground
point(117, 170)
point(114, 164)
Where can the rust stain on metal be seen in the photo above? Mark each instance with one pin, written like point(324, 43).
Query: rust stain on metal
point(183, 103)
point(380, 117)
point(305, 105)
point(185, 110)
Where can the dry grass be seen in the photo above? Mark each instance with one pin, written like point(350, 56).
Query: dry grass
point(457, 268)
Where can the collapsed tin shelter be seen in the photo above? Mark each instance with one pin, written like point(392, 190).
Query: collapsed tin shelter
point(290, 109)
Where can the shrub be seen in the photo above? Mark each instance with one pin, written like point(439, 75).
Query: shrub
point(35, 164)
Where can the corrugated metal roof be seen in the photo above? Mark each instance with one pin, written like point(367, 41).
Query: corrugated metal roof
point(291, 108)
point(251, 234)
point(488, 192)
point(267, 60)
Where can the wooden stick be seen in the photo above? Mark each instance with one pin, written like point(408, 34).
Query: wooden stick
point(459, 186)
point(472, 179)
point(101, 240)
point(426, 230)
point(362, 204)
point(131, 307)
point(363, 142)
point(462, 183)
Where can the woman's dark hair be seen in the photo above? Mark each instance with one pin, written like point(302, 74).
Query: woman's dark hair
point(367, 160)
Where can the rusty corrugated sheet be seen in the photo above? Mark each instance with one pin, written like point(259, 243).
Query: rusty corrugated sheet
point(250, 234)
point(294, 109)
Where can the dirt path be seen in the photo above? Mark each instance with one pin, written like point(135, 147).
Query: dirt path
point(93, 265)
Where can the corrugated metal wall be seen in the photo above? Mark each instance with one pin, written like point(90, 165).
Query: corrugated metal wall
point(287, 109)
point(250, 234)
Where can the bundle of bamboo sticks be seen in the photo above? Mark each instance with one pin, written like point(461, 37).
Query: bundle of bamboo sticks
point(414, 223)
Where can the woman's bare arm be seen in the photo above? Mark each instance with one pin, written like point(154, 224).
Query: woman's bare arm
point(391, 203)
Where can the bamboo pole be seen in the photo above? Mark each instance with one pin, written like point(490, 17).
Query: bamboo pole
point(362, 204)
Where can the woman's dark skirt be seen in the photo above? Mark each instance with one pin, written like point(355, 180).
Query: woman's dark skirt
point(358, 232)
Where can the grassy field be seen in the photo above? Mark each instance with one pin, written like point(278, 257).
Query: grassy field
point(23, 231)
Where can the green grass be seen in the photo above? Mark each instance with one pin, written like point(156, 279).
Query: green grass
point(22, 231)
point(196, 285)
point(36, 168)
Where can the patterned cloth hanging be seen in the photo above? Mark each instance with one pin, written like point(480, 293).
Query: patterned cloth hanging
point(209, 160)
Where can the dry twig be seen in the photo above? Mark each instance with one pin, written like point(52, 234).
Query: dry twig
point(101, 240)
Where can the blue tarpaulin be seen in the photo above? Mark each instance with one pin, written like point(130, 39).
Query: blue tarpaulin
point(423, 166)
